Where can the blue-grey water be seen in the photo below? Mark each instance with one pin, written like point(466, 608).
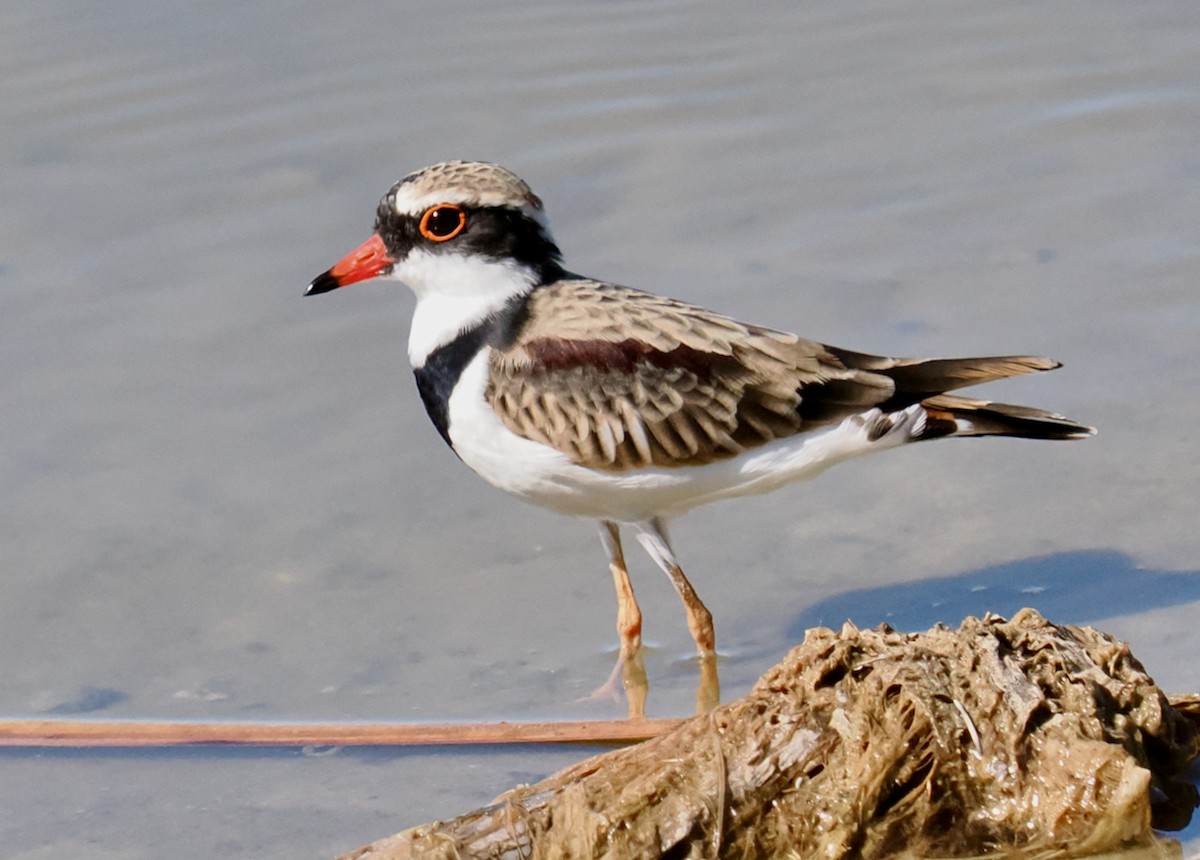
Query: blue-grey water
point(220, 500)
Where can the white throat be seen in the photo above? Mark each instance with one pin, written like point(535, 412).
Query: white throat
point(453, 294)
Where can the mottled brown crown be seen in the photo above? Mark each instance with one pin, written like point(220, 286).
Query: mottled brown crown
point(468, 183)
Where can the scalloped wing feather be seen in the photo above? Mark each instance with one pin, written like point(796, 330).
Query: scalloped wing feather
point(618, 379)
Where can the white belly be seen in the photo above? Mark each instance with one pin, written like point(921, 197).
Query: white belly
point(546, 477)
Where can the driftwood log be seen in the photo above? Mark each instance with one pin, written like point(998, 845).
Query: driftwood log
point(998, 736)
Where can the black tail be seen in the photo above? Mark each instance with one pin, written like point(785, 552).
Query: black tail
point(926, 381)
point(950, 415)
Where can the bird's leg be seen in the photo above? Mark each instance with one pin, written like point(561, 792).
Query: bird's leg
point(653, 537)
point(630, 667)
point(629, 615)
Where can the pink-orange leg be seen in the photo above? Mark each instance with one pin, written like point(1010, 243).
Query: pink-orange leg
point(630, 667)
point(653, 536)
point(629, 614)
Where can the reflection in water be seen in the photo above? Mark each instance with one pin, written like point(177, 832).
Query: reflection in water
point(633, 679)
point(630, 669)
point(708, 691)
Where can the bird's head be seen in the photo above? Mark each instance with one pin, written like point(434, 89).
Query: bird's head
point(459, 227)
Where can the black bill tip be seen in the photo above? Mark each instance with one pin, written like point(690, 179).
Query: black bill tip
point(322, 283)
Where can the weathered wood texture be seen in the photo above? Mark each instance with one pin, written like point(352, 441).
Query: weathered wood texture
point(1000, 735)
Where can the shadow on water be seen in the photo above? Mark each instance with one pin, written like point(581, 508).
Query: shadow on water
point(1071, 588)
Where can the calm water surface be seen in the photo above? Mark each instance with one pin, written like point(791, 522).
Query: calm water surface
point(223, 501)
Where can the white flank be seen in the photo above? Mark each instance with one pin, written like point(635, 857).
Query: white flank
point(525, 468)
point(545, 477)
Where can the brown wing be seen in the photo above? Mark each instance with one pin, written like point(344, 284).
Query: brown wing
point(616, 379)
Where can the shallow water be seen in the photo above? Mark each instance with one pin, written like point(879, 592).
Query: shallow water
point(223, 501)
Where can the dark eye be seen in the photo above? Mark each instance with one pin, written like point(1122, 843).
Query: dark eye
point(443, 222)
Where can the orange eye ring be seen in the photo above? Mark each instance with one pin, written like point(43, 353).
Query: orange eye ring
point(443, 222)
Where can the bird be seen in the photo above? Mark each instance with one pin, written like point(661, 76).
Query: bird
point(601, 401)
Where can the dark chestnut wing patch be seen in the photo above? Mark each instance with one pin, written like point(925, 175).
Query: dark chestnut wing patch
point(624, 404)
